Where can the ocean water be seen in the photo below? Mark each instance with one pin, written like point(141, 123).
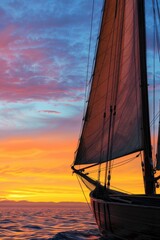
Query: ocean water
point(47, 223)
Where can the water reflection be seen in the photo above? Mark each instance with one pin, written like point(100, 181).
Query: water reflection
point(48, 223)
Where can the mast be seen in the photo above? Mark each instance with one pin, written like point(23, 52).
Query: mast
point(148, 166)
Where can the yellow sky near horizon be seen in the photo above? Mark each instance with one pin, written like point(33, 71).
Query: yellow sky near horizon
point(38, 169)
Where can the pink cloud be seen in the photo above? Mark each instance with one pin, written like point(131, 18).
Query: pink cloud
point(6, 36)
point(29, 73)
point(39, 54)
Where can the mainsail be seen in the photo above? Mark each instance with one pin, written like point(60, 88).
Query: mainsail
point(113, 122)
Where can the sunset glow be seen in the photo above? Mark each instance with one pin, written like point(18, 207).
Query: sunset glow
point(43, 58)
point(42, 96)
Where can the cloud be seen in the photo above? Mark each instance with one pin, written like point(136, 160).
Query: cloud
point(50, 111)
point(43, 50)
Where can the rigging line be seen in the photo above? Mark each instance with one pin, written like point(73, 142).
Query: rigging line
point(96, 46)
point(143, 167)
point(122, 163)
point(83, 169)
point(108, 145)
point(154, 49)
point(121, 190)
point(129, 159)
point(89, 50)
point(156, 29)
point(85, 111)
point(158, 41)
point(94, 66)
point(119, 164)
point(158, 9)
point(88, 61)
point(157, 162)
point(155, 118)
point(113, 167)
point(83, 192)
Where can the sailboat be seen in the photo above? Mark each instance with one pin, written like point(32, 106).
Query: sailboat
point(116, 125)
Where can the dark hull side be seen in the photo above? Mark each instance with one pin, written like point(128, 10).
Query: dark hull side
point(131, 218)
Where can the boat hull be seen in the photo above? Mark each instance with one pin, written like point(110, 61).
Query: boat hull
point(127, 220)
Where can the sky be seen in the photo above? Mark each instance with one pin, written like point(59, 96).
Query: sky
point(43, 70)
point(43, 61)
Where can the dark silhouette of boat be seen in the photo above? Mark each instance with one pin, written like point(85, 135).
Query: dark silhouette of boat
point(116, 124)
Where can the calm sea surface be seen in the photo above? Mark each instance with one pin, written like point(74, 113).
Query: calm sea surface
point(47, 223)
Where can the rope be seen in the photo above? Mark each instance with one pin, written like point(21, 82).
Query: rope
point(157, 34)
point(155, 118)
point(119, 164)
point(89, 52)
point(154, 79)
point(121, 190)
point(83, 193)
